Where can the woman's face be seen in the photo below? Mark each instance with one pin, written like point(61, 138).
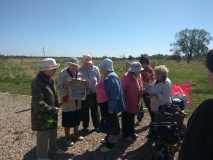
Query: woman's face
point(104, 71)
point(50, 72)
point(144, 65)
point(73, 68)
point(158, 77)
point(136, 73)
point(210, 77)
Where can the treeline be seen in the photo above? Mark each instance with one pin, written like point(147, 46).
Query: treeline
point(177, 58)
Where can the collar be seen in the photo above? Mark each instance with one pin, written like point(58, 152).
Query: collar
point(91, 68)
point(45, 78)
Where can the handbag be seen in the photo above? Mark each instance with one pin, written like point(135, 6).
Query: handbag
point(109, 125)
point(164, 132)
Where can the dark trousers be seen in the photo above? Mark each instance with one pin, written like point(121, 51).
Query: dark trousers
point(127, 124)
point(146, 100)
point(92, 105)
point(105, 113)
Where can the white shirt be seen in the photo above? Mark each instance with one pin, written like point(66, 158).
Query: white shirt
point(163, 90)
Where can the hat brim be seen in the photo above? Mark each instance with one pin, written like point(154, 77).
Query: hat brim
point(49, 68)
point(136, 71)
point(72, 63)
point(105, 68)
point(85, 61)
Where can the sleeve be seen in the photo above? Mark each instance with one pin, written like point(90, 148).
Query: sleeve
point(111, 86)
point(152, 78)
point(149, 88)
point(166, 91)
point(141, 85)
point(98, 74)
point(61, 84)
point(38, 98)
point(124, 83)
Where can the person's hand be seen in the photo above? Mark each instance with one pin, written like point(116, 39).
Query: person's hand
point(139, 106)
point(149, 76)
point(87, 84)
point(56, 109)
point(144, 90)
point(66, 98)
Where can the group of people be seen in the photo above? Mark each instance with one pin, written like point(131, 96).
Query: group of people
point(109, 94)
point(112, 95)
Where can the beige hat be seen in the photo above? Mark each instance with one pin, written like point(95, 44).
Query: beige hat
point(74, 61)
point(106, 64)
point(48, 64)
point(87, 59)
point(135, 67)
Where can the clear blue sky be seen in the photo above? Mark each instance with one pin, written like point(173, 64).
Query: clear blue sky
point(72, 28)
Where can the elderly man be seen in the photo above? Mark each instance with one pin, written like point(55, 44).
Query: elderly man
point(44, 110)
point(90, 73)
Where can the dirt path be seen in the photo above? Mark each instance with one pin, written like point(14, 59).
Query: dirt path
point(18, 141)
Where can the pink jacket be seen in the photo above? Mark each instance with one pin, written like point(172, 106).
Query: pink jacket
point(100, 92)
point(131, 91)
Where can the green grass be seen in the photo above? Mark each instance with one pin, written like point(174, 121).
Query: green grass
point(17, 74)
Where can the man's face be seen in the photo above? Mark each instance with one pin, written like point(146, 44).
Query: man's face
point(86, 65)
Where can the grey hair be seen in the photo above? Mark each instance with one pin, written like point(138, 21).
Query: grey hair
point(161, 70)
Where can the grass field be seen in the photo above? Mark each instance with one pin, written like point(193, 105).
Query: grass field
point(16, 75)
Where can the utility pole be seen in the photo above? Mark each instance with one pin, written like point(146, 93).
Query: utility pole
point(43, 52)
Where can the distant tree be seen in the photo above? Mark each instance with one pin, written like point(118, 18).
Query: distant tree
point(104, 57)
point(158, 56)
point(113, 58)
point(174, 57)
point(130, 57)
point(191, 43)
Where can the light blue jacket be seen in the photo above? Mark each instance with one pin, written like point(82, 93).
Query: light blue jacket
point(112, 85)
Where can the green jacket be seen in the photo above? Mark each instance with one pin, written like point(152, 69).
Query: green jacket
point(44, 101)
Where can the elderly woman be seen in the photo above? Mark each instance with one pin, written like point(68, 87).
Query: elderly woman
point(71, 108)
point(160, 89)
point(198, 141)
point(132, 87)
point(90, 73)
point(44, 109)
point(147, 77)
point(109, 96)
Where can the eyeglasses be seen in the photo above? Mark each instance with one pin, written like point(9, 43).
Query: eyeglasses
point(55, 70)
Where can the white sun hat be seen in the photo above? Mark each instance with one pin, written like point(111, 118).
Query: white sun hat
point(135, 67)
point(48, 64)
point(87, 59)
point(107, 64)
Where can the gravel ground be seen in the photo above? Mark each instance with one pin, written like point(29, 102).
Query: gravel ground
point(18, 141)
